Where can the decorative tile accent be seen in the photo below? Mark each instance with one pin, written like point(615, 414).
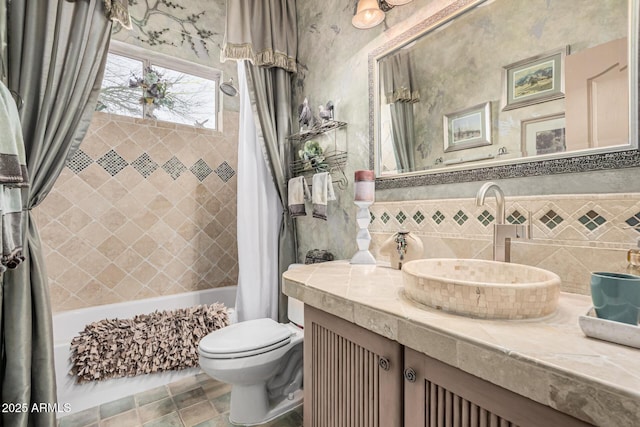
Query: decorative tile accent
point(385, 217)
point(572, 234)
point(592, 220)
point(174, 167)
point(145, 165)
point(401, 217)
point(516, 218)
point(373, 217)
point(225, 172)
point(418, 217)
point(79, 161)
point(460, 217)
point(485, 218)
point(438, 217)
point(551, 219)
point(201, 170)
point(112, 162)
point(634, 221)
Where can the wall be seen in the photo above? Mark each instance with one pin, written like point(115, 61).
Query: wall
point(147, 208)
point(333, 57)
point(143, 209)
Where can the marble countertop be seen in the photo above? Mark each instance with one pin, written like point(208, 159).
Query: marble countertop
point(548, 360)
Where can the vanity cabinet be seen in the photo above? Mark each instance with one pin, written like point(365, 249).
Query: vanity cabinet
point(357, 378)
point(352, 377)
point(439, 395)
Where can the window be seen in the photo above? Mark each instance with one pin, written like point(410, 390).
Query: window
point(141, 83)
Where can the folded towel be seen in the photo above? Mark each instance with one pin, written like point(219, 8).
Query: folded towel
point(13, 169)
point(12, 218)
point(13, 175)
point(298, 193)
point(322, 193)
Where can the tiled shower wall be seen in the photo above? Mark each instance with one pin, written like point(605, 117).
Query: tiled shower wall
point(143, 209)
point(573, 235)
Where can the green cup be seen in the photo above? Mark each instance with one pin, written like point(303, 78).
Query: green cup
point(616, 296)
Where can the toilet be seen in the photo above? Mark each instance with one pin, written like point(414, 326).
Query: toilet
point(262, 360)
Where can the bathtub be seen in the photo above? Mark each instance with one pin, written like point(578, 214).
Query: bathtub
point(66, 325)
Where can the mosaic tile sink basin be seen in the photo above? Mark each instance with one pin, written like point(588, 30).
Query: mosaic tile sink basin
point(483, 289)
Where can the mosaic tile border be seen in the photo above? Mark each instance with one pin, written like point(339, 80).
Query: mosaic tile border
point(113, 163)
point(585, 220)
point(592, 162)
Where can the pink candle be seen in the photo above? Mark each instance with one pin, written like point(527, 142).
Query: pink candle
point(365, 186)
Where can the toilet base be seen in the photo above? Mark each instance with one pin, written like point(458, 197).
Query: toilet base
point(260, 411)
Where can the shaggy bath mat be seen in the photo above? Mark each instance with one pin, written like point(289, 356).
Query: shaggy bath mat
point(160, 341)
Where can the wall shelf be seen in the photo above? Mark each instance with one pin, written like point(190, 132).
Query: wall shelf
point(320, 129)
point(333, 161)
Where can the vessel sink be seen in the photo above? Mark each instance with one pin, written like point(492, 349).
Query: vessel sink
point(483, 289)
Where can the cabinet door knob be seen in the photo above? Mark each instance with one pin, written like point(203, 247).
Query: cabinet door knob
point(384, 363)
point(410, 375)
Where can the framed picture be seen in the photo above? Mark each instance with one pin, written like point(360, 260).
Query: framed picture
point(543, 135)
point(468, 128)
point(534, 80)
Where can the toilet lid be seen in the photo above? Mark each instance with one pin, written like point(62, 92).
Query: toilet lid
point(249, 336)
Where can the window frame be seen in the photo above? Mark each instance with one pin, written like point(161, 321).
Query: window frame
point(150, 58)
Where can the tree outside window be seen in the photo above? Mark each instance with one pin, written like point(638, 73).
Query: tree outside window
point(141, 87)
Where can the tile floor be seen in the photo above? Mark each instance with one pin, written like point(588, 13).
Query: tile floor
point(197, 401)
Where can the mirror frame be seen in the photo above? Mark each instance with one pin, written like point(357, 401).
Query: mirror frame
point(591, 160)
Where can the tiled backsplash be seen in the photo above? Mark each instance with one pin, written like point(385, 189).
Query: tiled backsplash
point(572, 234)
point(143, 209)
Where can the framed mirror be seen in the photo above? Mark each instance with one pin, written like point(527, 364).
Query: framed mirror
point(499, 89)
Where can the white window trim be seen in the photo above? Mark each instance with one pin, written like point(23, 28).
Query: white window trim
point(149, 58)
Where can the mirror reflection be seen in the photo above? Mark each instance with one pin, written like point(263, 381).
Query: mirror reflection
point(506, 81)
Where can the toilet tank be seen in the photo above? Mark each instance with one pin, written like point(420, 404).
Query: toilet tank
point(295, 308)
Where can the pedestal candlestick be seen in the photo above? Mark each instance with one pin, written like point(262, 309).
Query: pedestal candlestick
point(363, 238)
point(364, 195)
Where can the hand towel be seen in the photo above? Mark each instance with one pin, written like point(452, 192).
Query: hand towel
point(298, 193)
point(322, 193)
point(13, 169)
point(13, 175)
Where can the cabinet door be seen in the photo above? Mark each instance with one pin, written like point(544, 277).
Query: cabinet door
point(352, 377)
point(439, 395)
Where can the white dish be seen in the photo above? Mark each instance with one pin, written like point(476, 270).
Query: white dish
point(608, 330)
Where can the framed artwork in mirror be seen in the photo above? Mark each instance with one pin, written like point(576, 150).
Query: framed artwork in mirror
point(534, 80)
point(544, 135)
point(468, 128)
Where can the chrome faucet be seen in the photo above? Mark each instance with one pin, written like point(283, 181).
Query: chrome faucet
point(503, 233)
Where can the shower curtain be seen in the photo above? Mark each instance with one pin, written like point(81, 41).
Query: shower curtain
point(55, 60)
point(401, 92)
point(262, 35)
point(259, 217)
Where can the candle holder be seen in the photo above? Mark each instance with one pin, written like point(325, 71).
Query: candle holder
point(364, 197)
point(363, 238)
